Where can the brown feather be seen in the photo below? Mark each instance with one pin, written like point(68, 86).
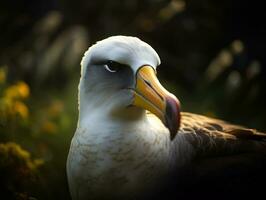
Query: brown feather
point(229, 160)
point(218, 128)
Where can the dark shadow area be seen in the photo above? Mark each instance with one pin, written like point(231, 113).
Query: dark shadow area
point(213, 60)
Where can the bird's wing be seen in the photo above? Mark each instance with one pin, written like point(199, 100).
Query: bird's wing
point(205, 132)
point(228, 158)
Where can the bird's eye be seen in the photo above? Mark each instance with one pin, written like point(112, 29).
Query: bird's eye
point(113, 66)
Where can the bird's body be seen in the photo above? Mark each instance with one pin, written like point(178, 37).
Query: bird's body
point(125, 152)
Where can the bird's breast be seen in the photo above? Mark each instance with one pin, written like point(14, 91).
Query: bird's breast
point(116, 165)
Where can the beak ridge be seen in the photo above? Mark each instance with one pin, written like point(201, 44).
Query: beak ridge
point(151, 95)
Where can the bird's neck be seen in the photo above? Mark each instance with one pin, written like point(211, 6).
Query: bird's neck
point(131, 126)
point(131, 123)
point(137, 151)
point(125, 128)
point(133, 154)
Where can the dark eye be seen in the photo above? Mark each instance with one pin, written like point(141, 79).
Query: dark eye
point(113, 66)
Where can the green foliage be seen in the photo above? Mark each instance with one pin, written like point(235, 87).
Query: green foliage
point(210, 69)
point(45, 132)
point(18, 171)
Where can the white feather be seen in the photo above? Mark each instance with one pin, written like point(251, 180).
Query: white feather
point(117, 157)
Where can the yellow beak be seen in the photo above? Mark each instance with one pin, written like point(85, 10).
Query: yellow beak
point(151, 95)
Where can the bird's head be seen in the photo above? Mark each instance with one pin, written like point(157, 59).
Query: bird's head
point(119, 75)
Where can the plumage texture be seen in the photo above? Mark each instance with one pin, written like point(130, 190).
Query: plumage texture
point(228, 162)
point(121, 152)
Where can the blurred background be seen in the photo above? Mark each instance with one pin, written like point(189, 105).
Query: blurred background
point(213, 59)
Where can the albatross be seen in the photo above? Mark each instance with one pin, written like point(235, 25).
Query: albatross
point(133, 142)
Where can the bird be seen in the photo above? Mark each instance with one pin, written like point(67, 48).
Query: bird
point(132, 140)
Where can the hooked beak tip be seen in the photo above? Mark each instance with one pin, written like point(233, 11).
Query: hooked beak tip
point(172, 116)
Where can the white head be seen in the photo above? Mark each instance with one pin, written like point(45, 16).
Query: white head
point(118, 81)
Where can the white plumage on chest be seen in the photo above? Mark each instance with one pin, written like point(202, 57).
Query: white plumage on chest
point(115, 162)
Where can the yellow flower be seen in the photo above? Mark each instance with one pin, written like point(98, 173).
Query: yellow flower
point(36, 163)
point(23, 89)
point(2, 75)
point(21, 109)
point(6, 106)
point(11, 92)
point(13, 155)
point(19, 90)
